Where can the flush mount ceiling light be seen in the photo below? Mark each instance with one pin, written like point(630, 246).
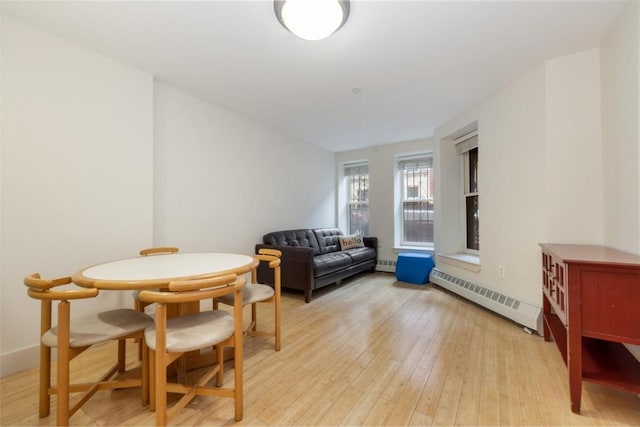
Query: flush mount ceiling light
point(312, 19)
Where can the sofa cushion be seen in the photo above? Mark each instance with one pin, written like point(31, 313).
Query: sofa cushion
point(304, 238)
point(350, 242)
point(328, 263)
point(359, 255)
point(328, 239)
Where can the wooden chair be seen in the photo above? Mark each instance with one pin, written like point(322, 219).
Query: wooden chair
point(72, 337)
point(169, 339)
point(140, 305)
point(258, 293)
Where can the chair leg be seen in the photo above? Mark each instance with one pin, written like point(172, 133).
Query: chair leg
point(276, 308)
point(277, 291)
point(144, 374)
point(161, 389)
point(220, 361)
point(62, 381)
point(160, 372)
point(237, 356)
point(45, 380)
point(152, 380)
point(237, 386)
point(122, 354)
point(140, 306)
point(181, 369)
point(45, 360)
point(254, 317)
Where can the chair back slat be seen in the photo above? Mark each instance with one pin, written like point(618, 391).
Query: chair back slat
point(34, 281)
point(272, 252)
point(159, 250)
point(41, 289)
point(186, 291)
point(197, 284)
point(63, 295)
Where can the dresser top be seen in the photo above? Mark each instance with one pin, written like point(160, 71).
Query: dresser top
point(591, 254)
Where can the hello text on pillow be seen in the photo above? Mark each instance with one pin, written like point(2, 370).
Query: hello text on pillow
point(350, 242)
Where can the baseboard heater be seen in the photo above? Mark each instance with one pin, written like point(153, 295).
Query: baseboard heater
point(505, 305)
point(386, 266)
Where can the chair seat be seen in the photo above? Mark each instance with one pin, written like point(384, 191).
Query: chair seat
point(100, 327)
point(250, 294)
point(194, 331)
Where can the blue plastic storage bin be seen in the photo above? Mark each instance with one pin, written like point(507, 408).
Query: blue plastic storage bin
point(414, 267)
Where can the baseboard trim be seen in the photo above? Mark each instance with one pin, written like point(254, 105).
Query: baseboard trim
point(19, 360)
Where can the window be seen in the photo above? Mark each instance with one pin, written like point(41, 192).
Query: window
point(357, 184)
point(416, 200)
point(468, 149)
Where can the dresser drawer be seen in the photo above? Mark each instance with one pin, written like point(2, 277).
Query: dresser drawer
point(554, 285)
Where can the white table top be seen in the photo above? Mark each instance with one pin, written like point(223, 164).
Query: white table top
point(147, 272)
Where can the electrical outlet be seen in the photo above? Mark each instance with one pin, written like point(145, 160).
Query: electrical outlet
point(501, 271)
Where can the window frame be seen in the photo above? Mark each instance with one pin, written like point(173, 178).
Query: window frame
point(464, 146)
point(401, 198)
point(351, 203)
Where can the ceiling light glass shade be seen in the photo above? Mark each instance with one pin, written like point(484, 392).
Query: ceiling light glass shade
point(312, 19)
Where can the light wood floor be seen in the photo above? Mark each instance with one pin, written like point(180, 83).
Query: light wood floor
point(369, 352)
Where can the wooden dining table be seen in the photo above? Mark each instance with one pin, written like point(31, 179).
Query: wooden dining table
point(157, 271)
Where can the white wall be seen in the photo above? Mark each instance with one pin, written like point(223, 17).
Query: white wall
point(98, 162)
point(381, 161)
point(223, 181)
point(540, 173)
point(620, 64)
point(620, 80)
point(511, 188)
point(574, 149)
point(76, 173)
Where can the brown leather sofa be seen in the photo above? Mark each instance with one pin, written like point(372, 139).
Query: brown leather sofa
point(312, 258)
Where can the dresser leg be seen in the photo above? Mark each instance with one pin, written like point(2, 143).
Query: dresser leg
point(575, 405)
point(546, 313)
point(575, 389)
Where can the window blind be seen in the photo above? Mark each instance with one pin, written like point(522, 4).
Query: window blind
point(356, 169)
point(467, 144)
point(415, 164)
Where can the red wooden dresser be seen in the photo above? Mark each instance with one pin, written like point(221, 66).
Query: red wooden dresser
point(591, 305)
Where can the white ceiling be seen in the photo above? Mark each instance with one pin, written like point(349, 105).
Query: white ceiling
point(418, 63)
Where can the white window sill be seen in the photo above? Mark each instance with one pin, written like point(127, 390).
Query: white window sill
point(424, 249)
point(465, 261)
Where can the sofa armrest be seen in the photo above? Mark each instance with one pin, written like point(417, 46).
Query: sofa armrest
point(371, 242)
point(296, 268)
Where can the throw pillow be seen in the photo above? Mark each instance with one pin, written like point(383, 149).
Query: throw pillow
point(350, 242)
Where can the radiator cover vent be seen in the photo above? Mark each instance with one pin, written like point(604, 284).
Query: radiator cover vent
point(386, 265)
point(508, 306)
